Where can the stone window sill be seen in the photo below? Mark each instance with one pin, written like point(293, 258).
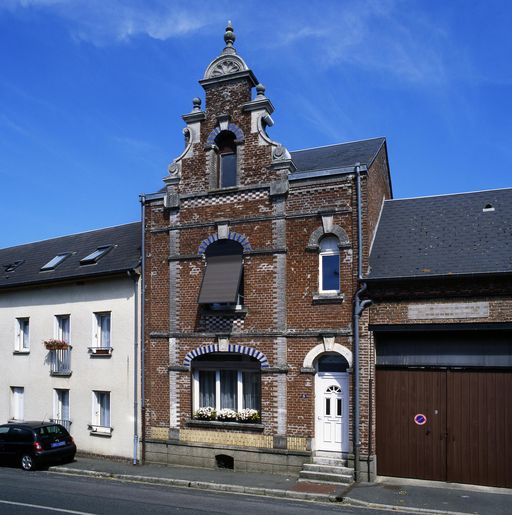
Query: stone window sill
point(105, 352)
point(328, 298)
point(60, 373)
point(100, 430)
point(215, 424)
point(21, 352)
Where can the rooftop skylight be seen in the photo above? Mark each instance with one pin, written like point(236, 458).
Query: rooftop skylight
point(95, 256)
point(55, 262)
point(12, 266)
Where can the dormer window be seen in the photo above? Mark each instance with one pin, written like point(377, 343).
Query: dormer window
point(95, 256)
point(227, 159)
point(55, 262)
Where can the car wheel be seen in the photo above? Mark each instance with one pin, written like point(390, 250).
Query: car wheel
point(27, 462)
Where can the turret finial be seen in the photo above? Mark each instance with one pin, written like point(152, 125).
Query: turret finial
point(229, 38)
point(196, 102)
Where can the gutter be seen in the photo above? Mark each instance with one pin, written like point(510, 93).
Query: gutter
point(358, 307)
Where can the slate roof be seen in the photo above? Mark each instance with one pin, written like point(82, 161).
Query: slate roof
point(444, 235)
point(337, 156)
point(124, 255)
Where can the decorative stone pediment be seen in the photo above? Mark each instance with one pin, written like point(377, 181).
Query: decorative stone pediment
point(225, 65)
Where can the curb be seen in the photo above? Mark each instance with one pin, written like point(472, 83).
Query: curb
point(200, 485)
point(349, 501)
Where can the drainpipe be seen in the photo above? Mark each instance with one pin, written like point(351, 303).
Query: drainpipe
point(142, 200)
point(359, 306)
point(135, 278)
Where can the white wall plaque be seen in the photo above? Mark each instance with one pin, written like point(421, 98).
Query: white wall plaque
point(448, 310)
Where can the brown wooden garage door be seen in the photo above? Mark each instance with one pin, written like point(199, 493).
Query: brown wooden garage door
point(468, 434)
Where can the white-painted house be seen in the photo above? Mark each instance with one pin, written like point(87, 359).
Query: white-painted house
point(69, 336)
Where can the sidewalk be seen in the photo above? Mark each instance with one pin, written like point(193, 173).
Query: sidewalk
point(408, 496)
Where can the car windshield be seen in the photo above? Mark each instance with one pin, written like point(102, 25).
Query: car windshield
point(50, 431)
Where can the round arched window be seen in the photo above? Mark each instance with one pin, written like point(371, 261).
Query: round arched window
point(332, 362)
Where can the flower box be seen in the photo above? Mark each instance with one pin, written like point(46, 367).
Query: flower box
point(54, 344)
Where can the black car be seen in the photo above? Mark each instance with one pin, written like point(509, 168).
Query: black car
point(35, 443)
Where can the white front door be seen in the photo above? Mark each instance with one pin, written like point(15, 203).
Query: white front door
point(331, 409)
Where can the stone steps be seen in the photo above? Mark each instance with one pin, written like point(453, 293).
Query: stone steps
point(327, 469)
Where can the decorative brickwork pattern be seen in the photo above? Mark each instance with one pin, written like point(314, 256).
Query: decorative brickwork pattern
point(239, 349)
point(226, 438)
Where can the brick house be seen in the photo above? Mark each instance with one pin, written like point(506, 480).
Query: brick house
point(441, 285)
point(251, 262)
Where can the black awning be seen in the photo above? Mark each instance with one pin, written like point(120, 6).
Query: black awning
point(221, 279)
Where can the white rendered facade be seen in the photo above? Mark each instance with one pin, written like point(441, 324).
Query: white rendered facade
point(71, 310)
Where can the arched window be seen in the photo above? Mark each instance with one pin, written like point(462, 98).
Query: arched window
point(226, 381)
point(332, 362)
point(227, 164)
point(222, 286)
point(329, 265)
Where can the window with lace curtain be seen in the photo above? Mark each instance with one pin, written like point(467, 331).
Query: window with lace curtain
point(224, 381)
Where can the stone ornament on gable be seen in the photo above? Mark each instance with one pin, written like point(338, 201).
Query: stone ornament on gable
point(224, 67)
point(280, 153)
point(174, 169)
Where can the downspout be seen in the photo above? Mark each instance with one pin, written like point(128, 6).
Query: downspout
point(135, 277)
point(142, 199)
point(359, 306)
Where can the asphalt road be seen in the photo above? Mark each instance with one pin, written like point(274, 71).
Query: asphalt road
point(44, 492)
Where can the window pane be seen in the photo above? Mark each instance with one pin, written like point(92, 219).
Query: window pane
point(206, 388)
point(332, 362)
point(104, 405)
point(331, 272)
point(227, 170)
point(64, 404)
point(228, 389)
point(105, 330)
point(251, 389)
point(25, 333)
point(338, 407)
point(64, 328)
point(327, 406)
point(330, 243)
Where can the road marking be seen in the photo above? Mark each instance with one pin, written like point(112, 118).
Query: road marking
point(49, 508)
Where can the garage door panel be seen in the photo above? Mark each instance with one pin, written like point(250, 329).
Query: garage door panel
point(403, 447)
point(479, 426)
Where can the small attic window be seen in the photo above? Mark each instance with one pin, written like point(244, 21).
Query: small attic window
point(12, 266)
point(95, 256)
point(55, 262)
point(487, 208)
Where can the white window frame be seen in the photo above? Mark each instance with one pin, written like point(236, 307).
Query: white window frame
point(239, 392)
point(59, 328)
point(22, 337)
point(17, 403)
point(99, 426)
point(98, 346)
point(58, 405)
point(324, 252)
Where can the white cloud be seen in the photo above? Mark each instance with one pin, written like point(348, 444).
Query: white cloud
point(104, 21)
point(390, 36)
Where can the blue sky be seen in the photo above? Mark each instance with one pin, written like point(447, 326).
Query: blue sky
point(91, 94)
